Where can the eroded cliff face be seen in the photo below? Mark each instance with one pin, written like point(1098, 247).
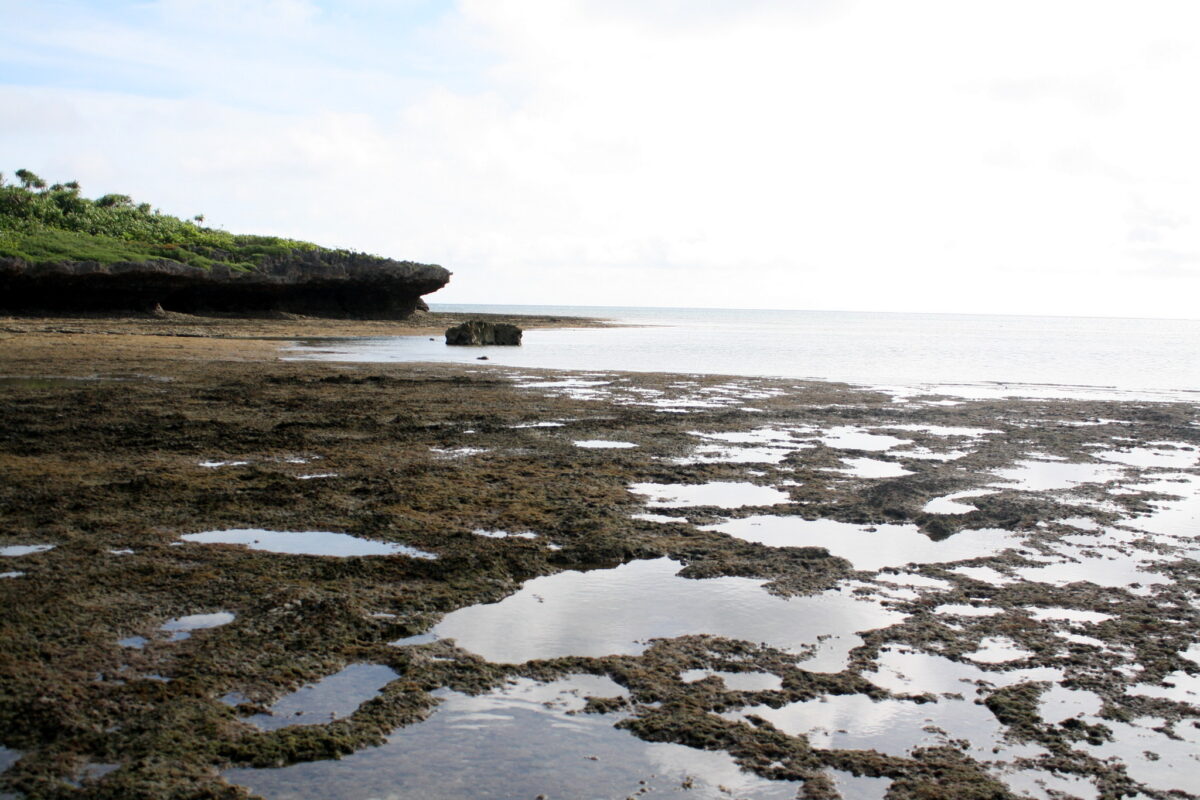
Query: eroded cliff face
point(321, 282)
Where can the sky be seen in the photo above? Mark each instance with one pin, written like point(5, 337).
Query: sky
point(1016, 157)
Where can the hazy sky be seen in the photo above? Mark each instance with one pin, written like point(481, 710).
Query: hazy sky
point(926, 155)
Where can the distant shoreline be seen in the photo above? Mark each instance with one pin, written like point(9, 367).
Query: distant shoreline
point(270, 326)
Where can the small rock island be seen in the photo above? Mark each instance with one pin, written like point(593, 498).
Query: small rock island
point(476, 333)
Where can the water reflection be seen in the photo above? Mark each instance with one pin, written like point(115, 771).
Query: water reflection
point(1169, 455)
point(894, 727)
point(1178, 517)
point(868, 547)
point(943, 430)
point(1123, 569)
point(8, 757)
point(914, 672)
point(847, 437)
point(520, 741)
point(873, 468)
point(728, 454)
point(332, 697)
point(1059, 703)
point(1043, 785)
point(1150, 756)
point(180, 627)
point(762, 445)
point(1036, 476)
point(17, 550)
point(998, 650)
point(736, 681)
point(310, 543)
point(722, 494)
point(616, 611)
point(859, 787)
point(949, 504)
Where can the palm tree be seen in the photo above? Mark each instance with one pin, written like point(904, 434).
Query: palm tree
point(29, 180)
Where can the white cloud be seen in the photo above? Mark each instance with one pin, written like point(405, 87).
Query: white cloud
point(931, 155)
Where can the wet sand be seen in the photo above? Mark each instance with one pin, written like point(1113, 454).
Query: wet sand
point(120, 436)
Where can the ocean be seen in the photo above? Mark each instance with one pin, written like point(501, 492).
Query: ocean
point(956, 354)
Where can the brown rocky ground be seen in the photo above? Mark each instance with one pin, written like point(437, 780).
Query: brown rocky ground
point(107, 421)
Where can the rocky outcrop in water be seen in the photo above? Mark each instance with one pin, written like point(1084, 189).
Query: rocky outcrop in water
point(316, 282)
point(476, 332)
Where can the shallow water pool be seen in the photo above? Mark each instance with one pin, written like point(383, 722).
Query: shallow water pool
point(18, 550)
point(722, 494)
point(308, 543)
point(894, 727)
point(868, 547)
point(616, 611)
point(846, 437)
point(1034, 476)
point(873, 468)
point(949, 504)
point(330, 698)
point(181, 627)
point(523, 740)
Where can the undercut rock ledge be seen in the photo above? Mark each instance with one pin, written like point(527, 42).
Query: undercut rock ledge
point(322, 283)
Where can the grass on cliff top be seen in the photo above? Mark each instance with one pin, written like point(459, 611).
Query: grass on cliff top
point(43, 224)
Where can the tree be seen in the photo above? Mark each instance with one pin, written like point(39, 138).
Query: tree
point(29, 180)
point(110, 200)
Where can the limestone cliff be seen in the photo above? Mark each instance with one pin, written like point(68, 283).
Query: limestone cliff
point(321, 282)
point(61, 251)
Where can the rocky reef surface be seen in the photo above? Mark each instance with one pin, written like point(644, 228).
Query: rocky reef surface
point(320, 282)
point(226, 574)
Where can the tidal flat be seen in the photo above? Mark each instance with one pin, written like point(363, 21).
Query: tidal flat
point(230, 575)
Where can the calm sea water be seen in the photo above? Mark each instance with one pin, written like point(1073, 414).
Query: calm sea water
point(970, 355)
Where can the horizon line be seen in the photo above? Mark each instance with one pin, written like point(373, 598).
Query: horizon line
point(432, 303)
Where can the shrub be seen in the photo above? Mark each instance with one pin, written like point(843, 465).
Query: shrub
point(41, 225)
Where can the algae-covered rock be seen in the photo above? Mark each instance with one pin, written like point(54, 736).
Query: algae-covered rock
point(476, 332)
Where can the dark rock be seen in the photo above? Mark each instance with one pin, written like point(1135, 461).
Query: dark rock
point(476, 332)
point(317, 282)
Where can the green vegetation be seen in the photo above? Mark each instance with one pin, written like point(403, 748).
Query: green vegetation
point(44, 224)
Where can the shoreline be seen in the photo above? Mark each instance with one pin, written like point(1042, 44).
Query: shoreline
point(270, 327)
point(294, 329)
point(426, 454)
